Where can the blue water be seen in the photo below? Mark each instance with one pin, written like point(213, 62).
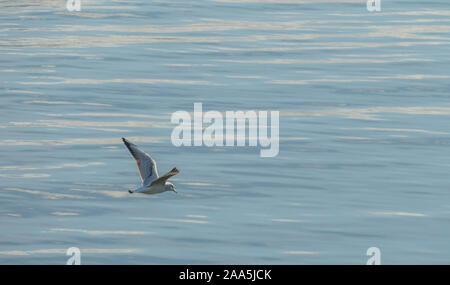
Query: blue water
point(364, 131)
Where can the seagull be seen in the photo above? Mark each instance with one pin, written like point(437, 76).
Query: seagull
point(151, 182)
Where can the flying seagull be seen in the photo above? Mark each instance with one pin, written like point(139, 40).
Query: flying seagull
point(151, 182)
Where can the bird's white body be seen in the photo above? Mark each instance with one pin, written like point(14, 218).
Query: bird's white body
point(151, 182)
point(155, 189)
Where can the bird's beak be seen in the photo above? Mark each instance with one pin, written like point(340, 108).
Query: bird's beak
point(175, 190)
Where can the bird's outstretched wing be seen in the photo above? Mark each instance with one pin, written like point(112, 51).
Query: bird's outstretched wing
point(162, 180)
point(145, 163)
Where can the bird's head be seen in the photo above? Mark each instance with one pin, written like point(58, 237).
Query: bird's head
point(170, 187)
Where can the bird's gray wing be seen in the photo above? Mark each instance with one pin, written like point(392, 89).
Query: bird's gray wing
point(162, 180)
point(145, 163)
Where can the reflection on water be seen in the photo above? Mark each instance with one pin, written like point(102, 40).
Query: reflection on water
point(364, 110)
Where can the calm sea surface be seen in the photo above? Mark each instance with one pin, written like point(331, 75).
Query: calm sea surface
point(364, 131)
